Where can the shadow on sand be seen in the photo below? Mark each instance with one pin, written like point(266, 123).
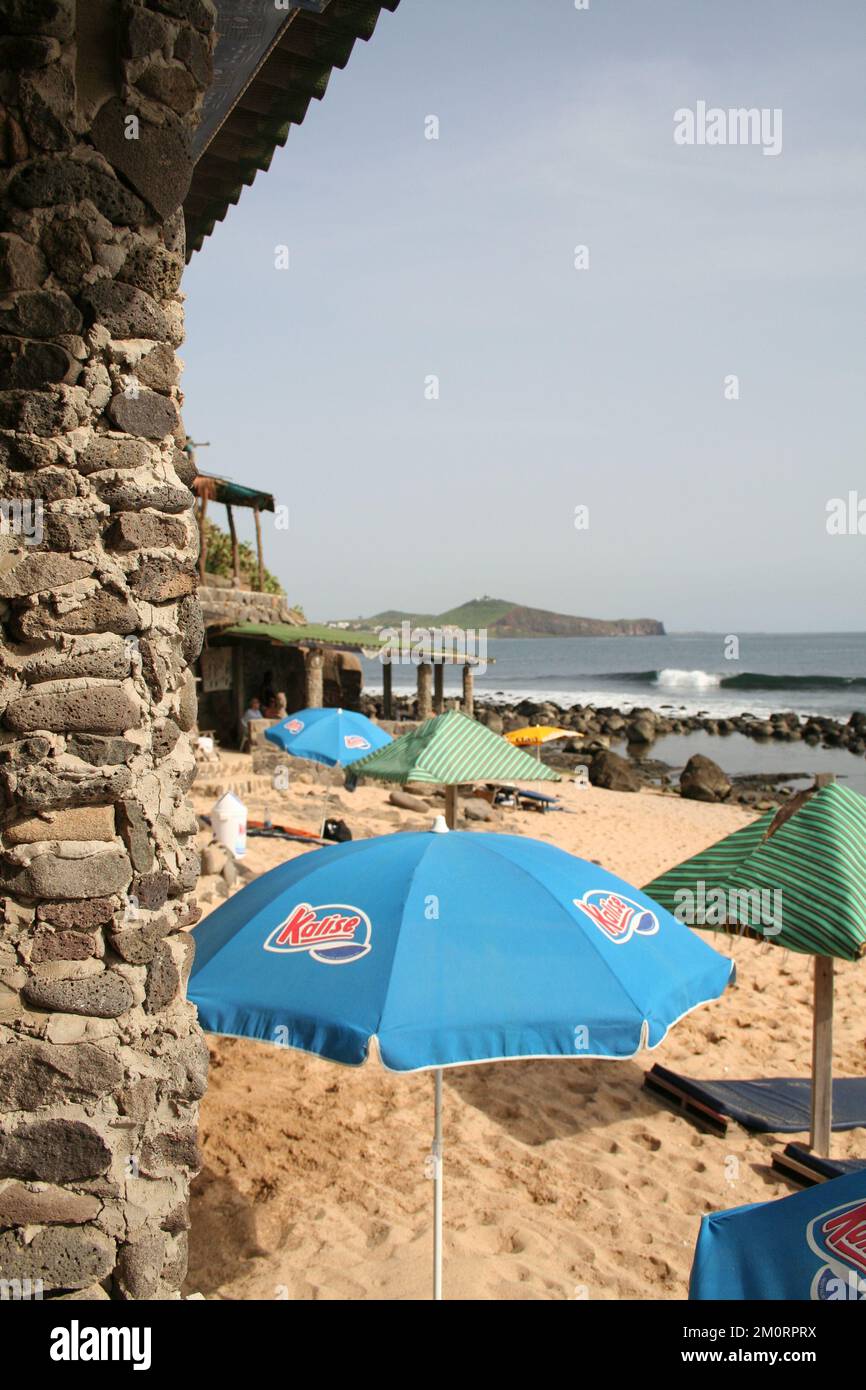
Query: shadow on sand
point(537, 1101)
point(223, 1234)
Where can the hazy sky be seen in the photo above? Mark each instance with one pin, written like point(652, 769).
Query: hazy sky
point(559, 387)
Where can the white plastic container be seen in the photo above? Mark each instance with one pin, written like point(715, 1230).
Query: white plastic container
point(229, 824)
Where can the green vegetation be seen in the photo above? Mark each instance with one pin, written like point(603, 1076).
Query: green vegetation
point(218, 560)
point(478, 612)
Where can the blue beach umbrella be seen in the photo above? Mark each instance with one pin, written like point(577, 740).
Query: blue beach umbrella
point(807, 1247)
point(448, 948)
point(328, 736)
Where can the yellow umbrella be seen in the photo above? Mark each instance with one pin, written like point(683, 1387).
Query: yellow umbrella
point(535, 735)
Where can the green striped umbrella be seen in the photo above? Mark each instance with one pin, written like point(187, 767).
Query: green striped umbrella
point(796, 878)
point(449, 749)
point(814, 860)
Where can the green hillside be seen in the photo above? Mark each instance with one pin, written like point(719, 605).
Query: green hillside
point(478, 612)
point(502, 618)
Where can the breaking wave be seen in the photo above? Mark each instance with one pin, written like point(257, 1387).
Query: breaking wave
point(672, 678)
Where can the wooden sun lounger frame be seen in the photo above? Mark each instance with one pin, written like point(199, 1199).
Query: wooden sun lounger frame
point(792, 1162)
point(791, 1166)
point(703, 1115)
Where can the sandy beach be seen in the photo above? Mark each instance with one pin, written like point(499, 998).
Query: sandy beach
point(563, 1180)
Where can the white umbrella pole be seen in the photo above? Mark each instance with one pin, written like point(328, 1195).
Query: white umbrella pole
point(437, 1184)
point(326, 804)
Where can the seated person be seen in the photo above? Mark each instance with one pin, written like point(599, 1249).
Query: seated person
point(277, 709)
point(254, 711)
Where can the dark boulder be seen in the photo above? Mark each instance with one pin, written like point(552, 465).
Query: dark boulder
point(612, 772)
point(703, 780)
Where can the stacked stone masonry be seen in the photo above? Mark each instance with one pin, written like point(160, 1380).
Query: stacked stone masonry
point(224, 606)
point(101, 1060)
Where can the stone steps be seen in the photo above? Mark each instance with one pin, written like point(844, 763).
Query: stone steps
point(250, 776)
point(242, 787)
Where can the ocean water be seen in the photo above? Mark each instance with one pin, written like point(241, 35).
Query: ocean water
point(811, 673)
point(796, 764)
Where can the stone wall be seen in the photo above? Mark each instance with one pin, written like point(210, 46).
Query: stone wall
point(101, 1061)
point(223, 605)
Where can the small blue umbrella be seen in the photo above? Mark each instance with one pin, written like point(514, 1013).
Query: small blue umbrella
point(328, 736)
point(810, 1246)
point(448, 948)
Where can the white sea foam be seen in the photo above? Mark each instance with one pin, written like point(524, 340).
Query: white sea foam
point(673, 679)
point(642, 697)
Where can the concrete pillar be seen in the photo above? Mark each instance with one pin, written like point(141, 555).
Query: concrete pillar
point(468, 691)
point(101, 1059)
point(387, 691)
point(438, 687)
point(315, 681)
point(425, 690)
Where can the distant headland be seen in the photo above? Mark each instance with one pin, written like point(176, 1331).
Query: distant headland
point(502, 618)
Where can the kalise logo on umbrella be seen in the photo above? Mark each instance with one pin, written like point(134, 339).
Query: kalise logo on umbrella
point(618, 917)
point(294, 726)
point(355, 741)
point(838, 1237)
point(333, 935)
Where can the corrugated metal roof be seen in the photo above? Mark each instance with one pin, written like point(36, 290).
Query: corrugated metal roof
point(289, 635)
point(230, 493)
point(269, 95)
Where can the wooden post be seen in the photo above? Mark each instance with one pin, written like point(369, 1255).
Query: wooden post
point(236, 557)
point(425, 701)
point(822, 1057)
point(387, 691)
point(451, 807)
point(257, 515)
point(238, 691)
point(438, 687)
point(468, 691)
point(202, 552)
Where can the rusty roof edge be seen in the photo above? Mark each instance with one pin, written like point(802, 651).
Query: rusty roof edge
point(252, 77)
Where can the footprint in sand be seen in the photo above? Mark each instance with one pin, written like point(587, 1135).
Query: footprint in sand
point(377, 1234)
point(582, 1088)
point(511, 1243)
point(649, 1141)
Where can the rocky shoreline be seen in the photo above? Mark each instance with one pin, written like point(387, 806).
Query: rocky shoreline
point(594, 731)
